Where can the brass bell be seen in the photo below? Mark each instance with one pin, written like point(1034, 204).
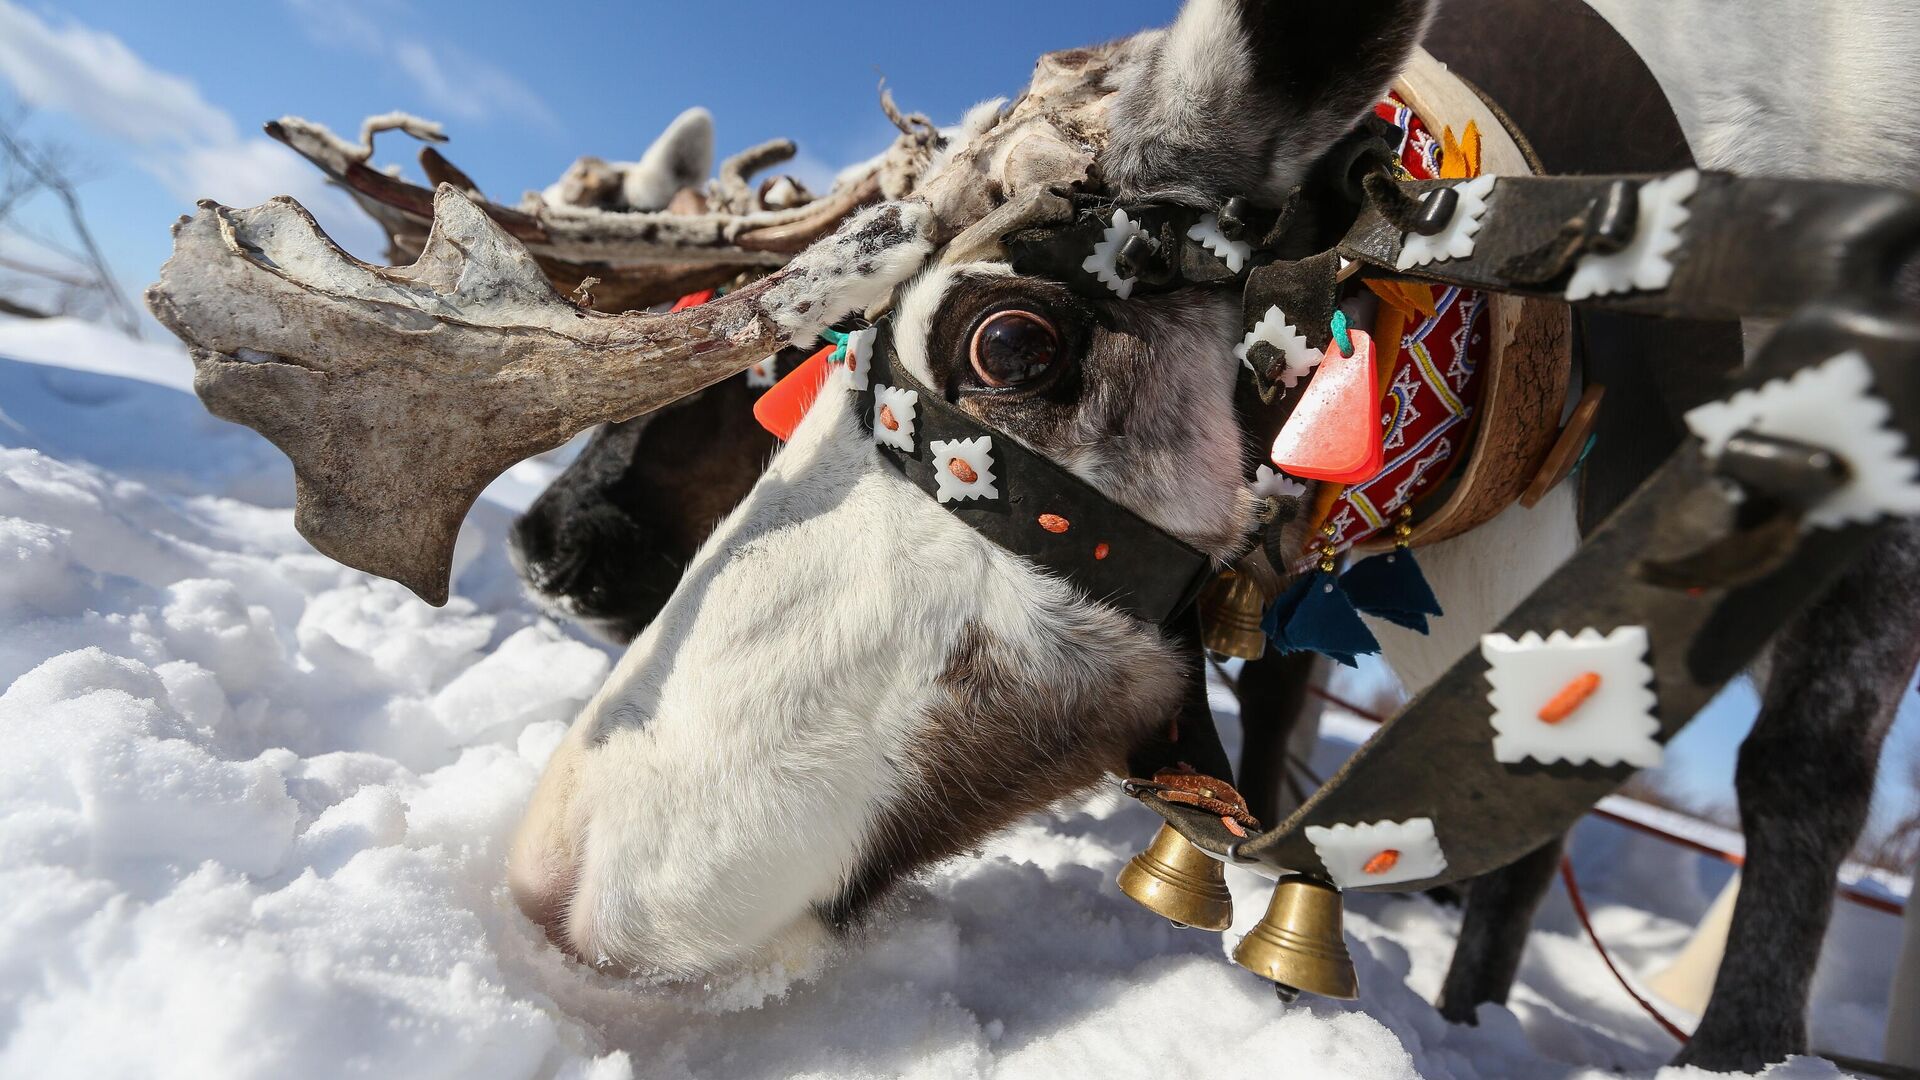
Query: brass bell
point(1298, 944)
point(1178, 881)
point(1230, 610)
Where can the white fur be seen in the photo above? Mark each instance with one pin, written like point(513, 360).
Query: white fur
point(1480, 578)
point(818, 288)
point(707, 799)
point(1785, 87)
point(1206, 57)
point(680, 158)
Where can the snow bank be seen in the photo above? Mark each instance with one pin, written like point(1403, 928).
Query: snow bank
point(253, 809)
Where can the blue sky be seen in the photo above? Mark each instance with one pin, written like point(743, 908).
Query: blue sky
point(161, 103)
point(157, 104)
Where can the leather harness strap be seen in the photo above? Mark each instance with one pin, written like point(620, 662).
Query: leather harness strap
point(1041, 512)
point(1595, 107)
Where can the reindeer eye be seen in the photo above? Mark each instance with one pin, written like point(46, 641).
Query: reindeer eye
point(1013, 347)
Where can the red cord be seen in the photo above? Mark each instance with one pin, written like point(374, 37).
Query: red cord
point(1580, 910)
point(1335, 699)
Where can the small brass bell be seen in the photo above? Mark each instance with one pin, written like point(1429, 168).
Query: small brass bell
point(1298, 944)
point(1178, 881)
point(1230, 610)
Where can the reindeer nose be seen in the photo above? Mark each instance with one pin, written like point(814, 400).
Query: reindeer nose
point(545, 895)
point(531, 543)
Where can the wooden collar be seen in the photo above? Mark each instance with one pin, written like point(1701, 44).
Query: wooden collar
point(1529, 364)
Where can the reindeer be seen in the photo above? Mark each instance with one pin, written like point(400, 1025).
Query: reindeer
point(999, 665)
point(848, 682)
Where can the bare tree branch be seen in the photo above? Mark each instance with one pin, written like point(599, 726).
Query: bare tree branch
point(28, 173)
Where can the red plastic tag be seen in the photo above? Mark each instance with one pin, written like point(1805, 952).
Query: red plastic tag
point(781, 409)
point(692, 299)
point(1334, 433)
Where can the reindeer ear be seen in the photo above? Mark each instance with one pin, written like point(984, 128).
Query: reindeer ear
point(680, 158)
point(1238, 97)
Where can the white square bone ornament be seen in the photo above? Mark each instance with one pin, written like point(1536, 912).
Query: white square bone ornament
point(963, 469)
point(859, 357)
point(1831, 405)
point(1104, 263)
point(1234, 253)
point(1581, 699)
point(1647, 261)
point(1379, 852)
point(1275, 329)
point(1455, 240)
point(1269, 483)
point(894, 411)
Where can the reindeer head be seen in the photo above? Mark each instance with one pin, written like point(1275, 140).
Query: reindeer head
point(849, 682)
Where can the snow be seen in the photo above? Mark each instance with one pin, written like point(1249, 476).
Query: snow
point(254, 808)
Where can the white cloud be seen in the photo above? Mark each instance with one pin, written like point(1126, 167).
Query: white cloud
point(449, 80)
point(249, 172)
point(473, 90)
point(96, 79)
point(188, 144)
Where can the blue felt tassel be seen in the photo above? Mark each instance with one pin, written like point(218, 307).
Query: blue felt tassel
point(1314, 615)
point(1274, 622)
point(1391, 587)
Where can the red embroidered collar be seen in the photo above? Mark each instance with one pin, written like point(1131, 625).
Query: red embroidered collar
point(1432, 386)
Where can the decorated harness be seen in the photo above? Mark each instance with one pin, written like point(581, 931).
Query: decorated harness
point(1409, 314)
point(1789, 473)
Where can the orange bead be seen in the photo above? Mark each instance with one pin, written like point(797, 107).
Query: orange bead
point(1382, 862)
point(1570, 697)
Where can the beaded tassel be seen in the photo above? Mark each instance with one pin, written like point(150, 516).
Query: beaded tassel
point(1391, 586)
point(1314, 614)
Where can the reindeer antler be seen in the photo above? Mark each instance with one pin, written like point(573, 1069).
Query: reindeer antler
point(401, 392)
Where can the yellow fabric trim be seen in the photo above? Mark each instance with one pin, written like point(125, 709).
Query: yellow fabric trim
point(1359, 501)
point(1425, 359)
point(1411, 297)
point(1323, 501)
point(1460, 160)
point(1389, 327)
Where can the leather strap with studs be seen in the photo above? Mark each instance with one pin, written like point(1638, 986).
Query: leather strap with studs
point(1041, 512)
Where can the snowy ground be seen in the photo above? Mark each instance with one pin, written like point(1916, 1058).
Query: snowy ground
point(253, 809)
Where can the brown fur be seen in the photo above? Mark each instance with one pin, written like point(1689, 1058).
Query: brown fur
point(1002, 742)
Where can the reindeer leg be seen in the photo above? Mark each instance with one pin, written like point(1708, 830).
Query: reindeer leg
point(1805, 780)
point(1273, 696)
point(1493, 932)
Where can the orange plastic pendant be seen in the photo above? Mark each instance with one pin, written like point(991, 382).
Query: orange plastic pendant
point(692, 299)
point(781, 408)
point(1334, 433)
